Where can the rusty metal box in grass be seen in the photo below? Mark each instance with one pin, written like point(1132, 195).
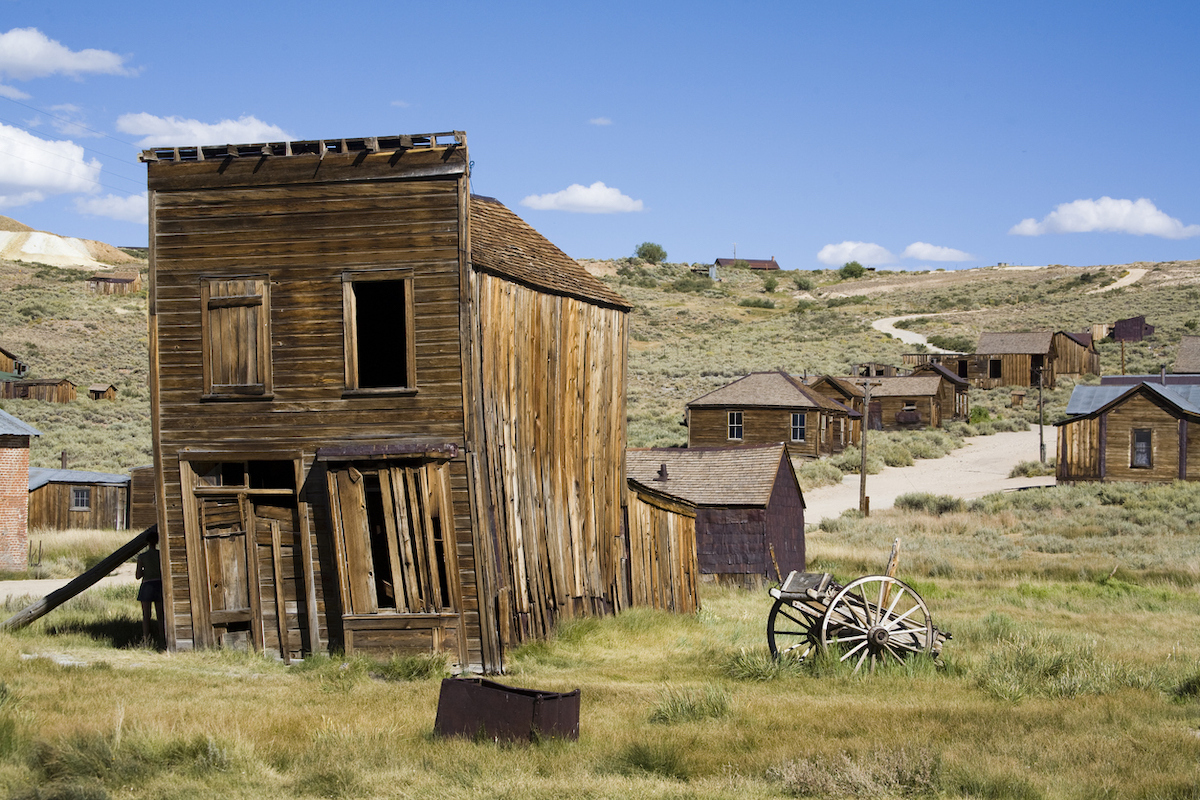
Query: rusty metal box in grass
point(479, 707)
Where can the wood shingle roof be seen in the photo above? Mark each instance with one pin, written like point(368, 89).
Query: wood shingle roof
point(766, 389)
point(1033, 342)
point(711, 476)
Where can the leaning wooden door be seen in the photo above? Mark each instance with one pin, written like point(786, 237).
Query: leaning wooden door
point(234, 611)
point(282, 612)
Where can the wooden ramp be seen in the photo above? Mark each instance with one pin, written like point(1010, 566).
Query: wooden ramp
point(39, 609)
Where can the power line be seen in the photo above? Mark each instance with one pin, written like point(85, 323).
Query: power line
point(66, 172)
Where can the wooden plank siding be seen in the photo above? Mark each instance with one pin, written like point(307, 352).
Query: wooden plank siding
point(51, 506)
point(1079, 450)
point(50, 391)
point(709, 427)
point(1072, 359)
point(665, 553)
point(1140, 413)
point(142, 511)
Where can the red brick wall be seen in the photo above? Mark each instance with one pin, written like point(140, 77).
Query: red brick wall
point(14, 502)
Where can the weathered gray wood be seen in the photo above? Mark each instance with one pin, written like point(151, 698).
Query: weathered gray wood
point(39, 609)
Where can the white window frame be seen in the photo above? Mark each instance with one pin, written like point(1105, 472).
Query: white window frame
point(737, 425)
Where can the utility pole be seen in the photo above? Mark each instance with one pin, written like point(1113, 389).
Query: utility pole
point(864, 506)
point(1041, 418)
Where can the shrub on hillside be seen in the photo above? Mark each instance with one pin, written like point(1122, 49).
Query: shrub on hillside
point(691, 283)
point(803, 283)
point(649, 251)
point(959, 344)
point(756, 302)
point(769, 283)
point(934, 504)
point(851, 270)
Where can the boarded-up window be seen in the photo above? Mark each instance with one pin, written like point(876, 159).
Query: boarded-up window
point(235, 326)
point(394, 527)
point(735, 425)
point(1142, 450)
point(798, 426)
point(378, 321)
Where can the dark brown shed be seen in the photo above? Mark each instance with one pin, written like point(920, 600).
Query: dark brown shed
point(747, 502)
point(1133, 329)
point(748, 263)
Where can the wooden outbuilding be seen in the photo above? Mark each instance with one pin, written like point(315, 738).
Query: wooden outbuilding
point(11, 365)
point(50, 390)
point(69, 498)
point(744, 505)
point(1133, 329)
point(954, 393)
point(749, 263)
point(925, 399)
point(1014, 359)
point(388, 417)
point(116, 282)
point(102, 391)
point(1117, 432)
point(14, 492)
point(1187, 359)
point(1075, 355)
point(768, 407)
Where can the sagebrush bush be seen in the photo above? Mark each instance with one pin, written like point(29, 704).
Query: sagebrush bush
point(927, 503)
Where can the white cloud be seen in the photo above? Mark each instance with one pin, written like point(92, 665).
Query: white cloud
point(400, 104)
point(31, 168)
point(1108, 215)
point(599, 121)
point(176, 131)
point(933, 252)
point(27, 53)
point(13, 93)
point(862, 252)
point(594, 199)
point(127, 209)
point(68, 120)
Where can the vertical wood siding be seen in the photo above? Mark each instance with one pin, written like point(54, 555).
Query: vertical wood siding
point(663, 561)
point(50, 507)
point(1140, 413)
point(1079, 450)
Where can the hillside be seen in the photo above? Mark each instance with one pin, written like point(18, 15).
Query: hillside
point(688, 335)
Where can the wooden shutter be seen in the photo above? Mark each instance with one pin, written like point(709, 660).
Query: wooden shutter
point(236, 332)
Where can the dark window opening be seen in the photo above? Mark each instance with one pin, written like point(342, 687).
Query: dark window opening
point(381, 338)
point(439, 548)
point(381, 565)
point(994, 368)
point(962, 368)
point(271, 474)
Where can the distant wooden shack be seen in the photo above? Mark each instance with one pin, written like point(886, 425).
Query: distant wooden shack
point(49, 390)
point(14, 492)
point(749, 263)
point(102, 391)
point(69, 498)
point(1133, 329)
point(768, 407)
point(390, 416)
point(1120, 432)
point(1075, 355)
point(744, 504)
point(116, 282)
point(1014, 359)
point(11, 365)
point(1187, 359)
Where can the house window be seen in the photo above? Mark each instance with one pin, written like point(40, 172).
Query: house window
point(378, 321)
point(910, 405)
point(235, 328)
point(735, 425)
point(81, 498)
point(1142, 450)
point(994, 369)
point(799, 420)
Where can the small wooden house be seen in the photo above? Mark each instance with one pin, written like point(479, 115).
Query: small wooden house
point(11, 365)
point(102, 391)
point(1187, 359)
point(1074, 355)
point(49, 390)
point(116, 282)
point(69, 498)
point(1014, 359)
point(1117, 432)
point(744, 505)
point(388, 416)
point(14, 492)
point(1133, 329)
point(845, 392)
point(749, 263)
point(768, 407)
point(954, 393)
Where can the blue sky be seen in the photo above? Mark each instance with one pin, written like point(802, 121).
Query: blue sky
point(906, 135)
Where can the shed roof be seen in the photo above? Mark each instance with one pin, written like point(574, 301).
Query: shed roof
point(770, 389)
point(712, 476)
point(1089, 400)
point(11, 426)
point(1033, 342)
point(1081, 339)
point(1188, 357)
point(943, 370)
point(40, 476)
point(907, 386)
point(40, 382)
point(504, 244)
point(752, 263)
point(101, 387)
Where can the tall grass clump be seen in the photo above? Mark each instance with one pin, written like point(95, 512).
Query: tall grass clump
point(1033, 469)
point(819, 472)
point(879, 773)
point(757, 665)
point(927, 503)
point(690, 704)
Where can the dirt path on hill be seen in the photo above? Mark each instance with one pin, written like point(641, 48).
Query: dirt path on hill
point(980, 467)
point(1134, 276)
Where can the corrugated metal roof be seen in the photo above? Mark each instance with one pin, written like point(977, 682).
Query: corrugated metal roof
point(11, 426)
point(40, 476)
point(769, 389)
point(711, 476)
point(503, 243)
point(1034, 342)
point(1090, 399)
point(1188, 357)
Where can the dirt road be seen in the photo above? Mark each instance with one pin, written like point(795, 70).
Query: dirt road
point(978, 468)
point(36, 589)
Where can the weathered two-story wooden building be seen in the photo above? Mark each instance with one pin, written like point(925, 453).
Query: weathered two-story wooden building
point(387, 415)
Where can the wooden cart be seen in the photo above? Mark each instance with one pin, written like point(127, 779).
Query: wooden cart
point(872, 620)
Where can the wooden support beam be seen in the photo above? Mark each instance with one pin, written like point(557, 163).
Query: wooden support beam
point(39, 609)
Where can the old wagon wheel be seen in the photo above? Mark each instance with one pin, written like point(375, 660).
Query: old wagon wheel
point(792, 629)
point(877, 619)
